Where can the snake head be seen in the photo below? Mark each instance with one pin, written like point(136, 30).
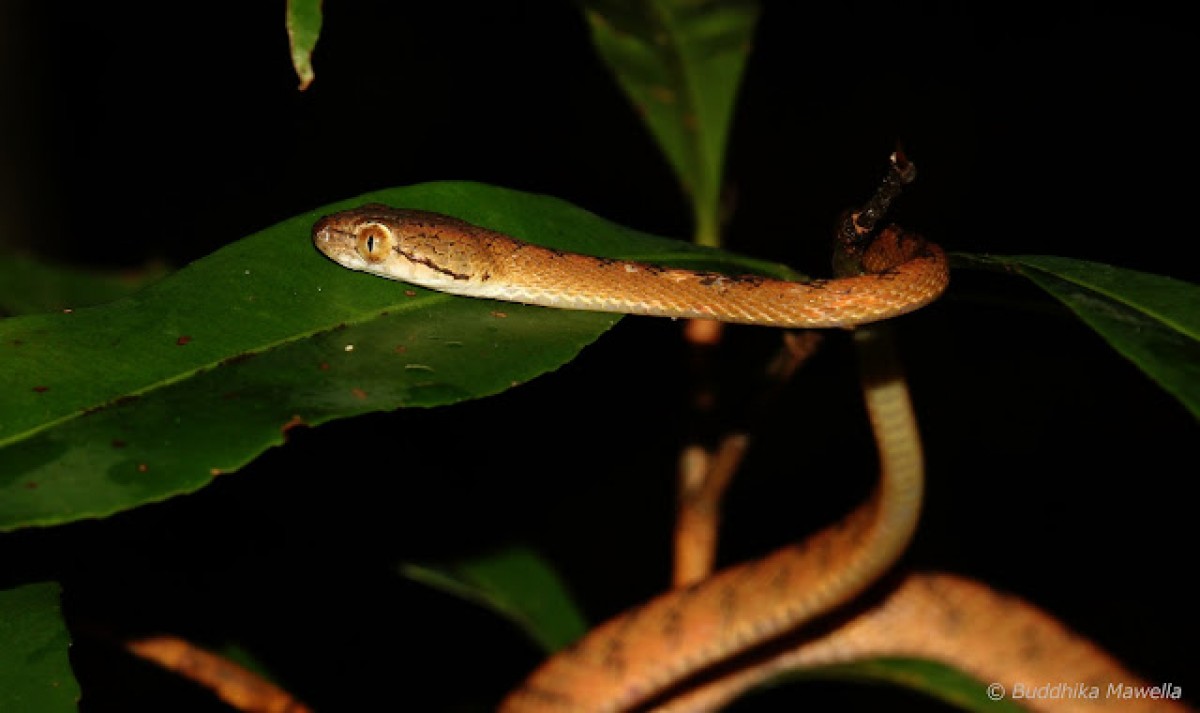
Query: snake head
point(358, 239)
point(425, 249)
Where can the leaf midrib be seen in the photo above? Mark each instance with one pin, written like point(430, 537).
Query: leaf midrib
point(1115, 297)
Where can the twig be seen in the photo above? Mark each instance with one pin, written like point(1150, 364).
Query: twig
point(704, 476)
point(236, 685)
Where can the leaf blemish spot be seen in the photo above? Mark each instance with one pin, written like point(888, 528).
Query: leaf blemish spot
point(400, 349)
point(349, 347)
point(31, 485)
point(662, 94)
point(142, 467)
point(41, 389)
point(323, 366)
point(183, 340)
point(499, 315)
point(294, 422)
point(358, 393)
point(118, 443)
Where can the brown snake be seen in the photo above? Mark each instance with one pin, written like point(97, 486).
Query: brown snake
point(643, 657)
point(450, 255)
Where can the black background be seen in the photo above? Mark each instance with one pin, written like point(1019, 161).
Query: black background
point(1056, 469)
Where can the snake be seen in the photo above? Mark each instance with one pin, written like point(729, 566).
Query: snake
point(615, 668)
point(901, 272)
point(644, 658)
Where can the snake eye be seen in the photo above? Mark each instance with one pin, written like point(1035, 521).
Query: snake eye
point(373, 242)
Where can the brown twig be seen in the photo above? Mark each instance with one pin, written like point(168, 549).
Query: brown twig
point(236, 685)
point(705, 475)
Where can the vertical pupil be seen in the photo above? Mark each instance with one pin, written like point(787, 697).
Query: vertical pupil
point(370, 243)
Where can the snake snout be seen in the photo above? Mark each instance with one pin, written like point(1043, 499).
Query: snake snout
point(323, 230)
point(329, 232)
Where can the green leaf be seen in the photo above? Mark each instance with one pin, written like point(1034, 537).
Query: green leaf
point(35, 674)
point(1152, 320)
point(929, 677)
point(680, 62)
point(303, 28)
point(110, 407)
point(517, 584)
point(28, 285)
